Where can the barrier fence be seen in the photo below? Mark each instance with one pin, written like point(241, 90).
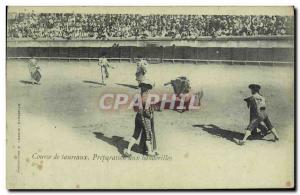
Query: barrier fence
point(231, 50)
point(160, 54)
point(155, 60)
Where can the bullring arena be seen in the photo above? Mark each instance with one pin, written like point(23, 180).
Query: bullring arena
point(62, 114)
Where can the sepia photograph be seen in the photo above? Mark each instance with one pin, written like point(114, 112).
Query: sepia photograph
point(150, 97)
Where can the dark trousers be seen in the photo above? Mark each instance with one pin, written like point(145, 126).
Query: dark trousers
point(262, 116)
point(144, 128)
point(106, 71)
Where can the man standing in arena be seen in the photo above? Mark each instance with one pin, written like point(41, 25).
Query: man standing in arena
point(35, 75)
point(141, 70)
point(104, 65)
point(258, 115)
point(144, 124)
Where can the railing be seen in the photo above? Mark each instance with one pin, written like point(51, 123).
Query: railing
point(232, 50)
point(195, 61)
point(71, 58)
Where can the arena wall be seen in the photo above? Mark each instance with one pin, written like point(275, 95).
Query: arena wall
point(223, 49)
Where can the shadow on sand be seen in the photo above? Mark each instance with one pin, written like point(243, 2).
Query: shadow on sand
point(93, 82)
point(127, 85)
point(118, 142)
point(217, 131)
point(227, 134)
point(26, 82)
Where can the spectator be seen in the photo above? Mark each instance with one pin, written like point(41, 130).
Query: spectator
point(122, 26)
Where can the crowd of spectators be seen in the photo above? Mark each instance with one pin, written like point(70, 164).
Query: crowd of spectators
point(122, 26)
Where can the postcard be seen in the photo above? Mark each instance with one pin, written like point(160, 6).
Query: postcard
point(147, 98)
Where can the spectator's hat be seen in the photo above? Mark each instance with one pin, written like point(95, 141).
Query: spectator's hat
point(255, 87)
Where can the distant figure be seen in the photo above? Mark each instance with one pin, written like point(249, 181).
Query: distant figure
point(104, 65)
point(34, 71)
point(181, 85)
point(141, 70)
point(258, 114)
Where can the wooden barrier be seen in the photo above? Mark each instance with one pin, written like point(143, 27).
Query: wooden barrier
point(155, 60)
point(249, 50)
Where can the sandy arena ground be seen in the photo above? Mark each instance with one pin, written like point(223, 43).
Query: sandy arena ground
point(62, 116)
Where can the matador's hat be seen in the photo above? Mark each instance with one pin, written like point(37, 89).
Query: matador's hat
point(147, 83)
point(254, 86)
